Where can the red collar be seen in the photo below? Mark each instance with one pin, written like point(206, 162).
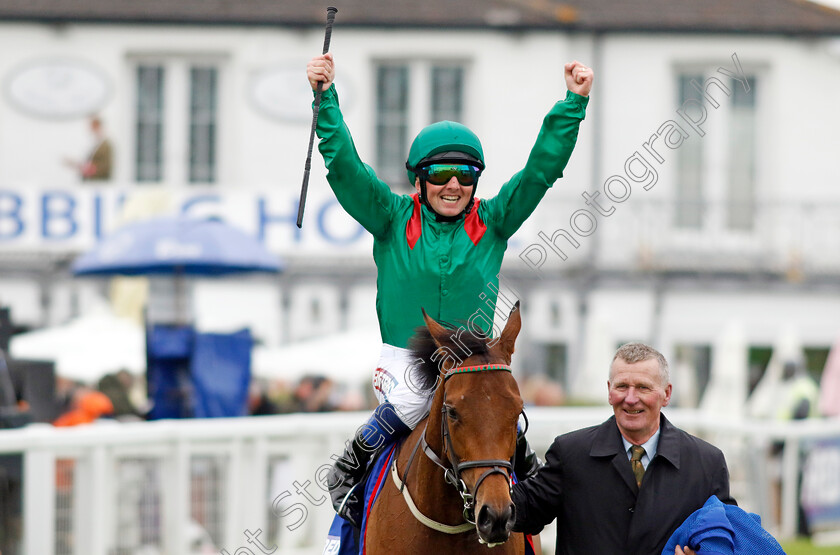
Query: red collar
point(473, 225)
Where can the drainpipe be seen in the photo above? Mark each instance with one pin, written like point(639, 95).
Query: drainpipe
point(589, 273)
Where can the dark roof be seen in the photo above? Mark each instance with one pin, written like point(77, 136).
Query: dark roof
point(799, 17)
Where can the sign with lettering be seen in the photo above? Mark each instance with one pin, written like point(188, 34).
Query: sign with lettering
point(73, 219)
point(821, 486)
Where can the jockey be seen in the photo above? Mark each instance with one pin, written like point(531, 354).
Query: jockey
point(440, 249)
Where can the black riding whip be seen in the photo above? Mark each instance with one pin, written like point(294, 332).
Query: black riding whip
point(331, 11)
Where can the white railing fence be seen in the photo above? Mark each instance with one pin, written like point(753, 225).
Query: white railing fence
point(245, 486)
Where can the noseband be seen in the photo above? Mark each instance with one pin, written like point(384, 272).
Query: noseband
point(452, 473)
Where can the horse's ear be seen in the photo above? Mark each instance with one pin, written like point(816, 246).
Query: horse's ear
point(434, 328)
point(512, 327)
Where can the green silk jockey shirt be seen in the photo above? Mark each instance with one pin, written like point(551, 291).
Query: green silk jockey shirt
point(450, 269)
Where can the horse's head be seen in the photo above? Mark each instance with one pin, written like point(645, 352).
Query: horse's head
point(473, 420)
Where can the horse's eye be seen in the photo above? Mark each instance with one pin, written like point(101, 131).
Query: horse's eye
point(451, 413)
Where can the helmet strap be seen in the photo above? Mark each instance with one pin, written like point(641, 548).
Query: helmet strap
point(470, 204)
point(423, 193)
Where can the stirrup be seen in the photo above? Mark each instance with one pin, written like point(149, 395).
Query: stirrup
point(343, 509)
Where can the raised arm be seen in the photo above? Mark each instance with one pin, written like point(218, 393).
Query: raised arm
point(360, 192)
point(519, 197)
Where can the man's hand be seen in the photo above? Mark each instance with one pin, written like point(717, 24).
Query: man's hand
point(688, 551)
point(579, 78)
point(321, 68)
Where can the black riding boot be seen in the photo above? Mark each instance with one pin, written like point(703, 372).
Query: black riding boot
point(526, 462)
point(350, 468)
point(347, 473)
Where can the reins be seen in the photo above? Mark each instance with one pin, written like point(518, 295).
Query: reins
point(452, 472)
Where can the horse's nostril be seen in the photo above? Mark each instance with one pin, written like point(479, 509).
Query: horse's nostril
point(485, 519)
point(496, 525)
point(510, 517)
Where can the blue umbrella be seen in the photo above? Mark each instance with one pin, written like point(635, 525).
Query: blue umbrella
point(176, 246)
point(182, 247)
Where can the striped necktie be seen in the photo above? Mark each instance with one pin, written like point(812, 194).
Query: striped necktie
point(636, 452)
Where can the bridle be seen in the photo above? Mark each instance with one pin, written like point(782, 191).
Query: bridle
point(452, 472)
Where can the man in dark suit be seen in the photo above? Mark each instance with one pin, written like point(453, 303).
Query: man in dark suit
point(608, 501)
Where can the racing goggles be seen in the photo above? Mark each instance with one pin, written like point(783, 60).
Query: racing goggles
point(440, 174)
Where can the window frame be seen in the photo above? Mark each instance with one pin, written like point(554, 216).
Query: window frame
point(419, 109)
point(715, 194)
point(176, 119)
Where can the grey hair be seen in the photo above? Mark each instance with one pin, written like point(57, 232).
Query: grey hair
point(632, 353)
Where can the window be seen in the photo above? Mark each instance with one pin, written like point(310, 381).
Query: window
point(557, 363)
point(691, 371)
point(689, 208)
point(149, 123)
point(740, 193)
point(758, 358)
point(815, 359)
point(447, 93)
point(391, 121)
point(716, 179)
point(411, 95)
point(202, 125)
point(176, 133)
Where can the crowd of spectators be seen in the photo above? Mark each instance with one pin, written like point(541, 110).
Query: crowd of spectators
point(121, 396)
point(312, 393)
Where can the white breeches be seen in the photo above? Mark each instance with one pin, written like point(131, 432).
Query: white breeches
point(394, 382)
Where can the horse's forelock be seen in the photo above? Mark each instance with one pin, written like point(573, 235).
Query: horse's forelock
point(459, 343)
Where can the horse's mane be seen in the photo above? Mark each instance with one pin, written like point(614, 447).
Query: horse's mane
point(423, 346)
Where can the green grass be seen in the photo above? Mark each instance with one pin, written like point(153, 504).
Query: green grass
point(804, 547)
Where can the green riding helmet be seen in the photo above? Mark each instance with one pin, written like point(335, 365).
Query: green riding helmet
point(447, 139)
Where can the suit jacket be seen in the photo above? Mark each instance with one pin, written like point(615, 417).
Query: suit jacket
point(100, 161)
point(588, 485)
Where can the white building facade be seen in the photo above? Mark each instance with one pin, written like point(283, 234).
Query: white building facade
point(701, 195)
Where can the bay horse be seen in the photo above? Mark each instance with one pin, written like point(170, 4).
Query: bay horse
point(448, 490)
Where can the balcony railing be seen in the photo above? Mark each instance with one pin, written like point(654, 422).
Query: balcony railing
point(797, 240)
